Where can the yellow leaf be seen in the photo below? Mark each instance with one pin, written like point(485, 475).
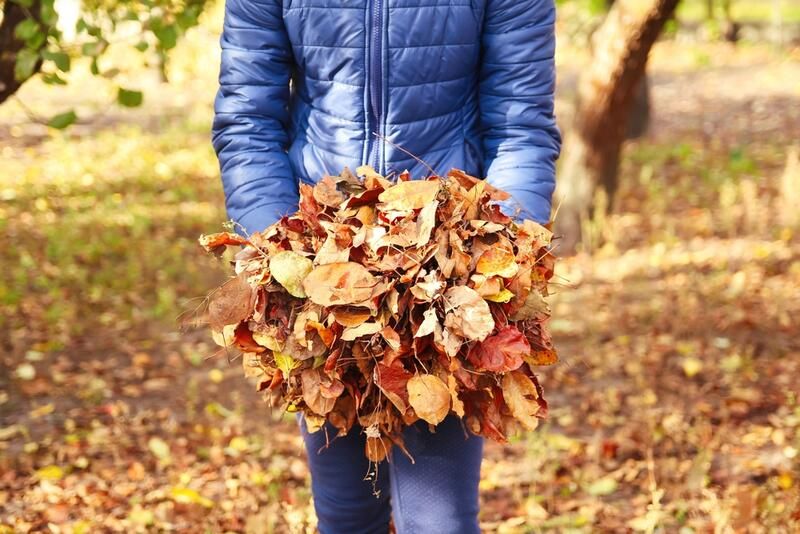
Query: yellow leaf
point(224, 338)
point(190, 496)
point(216, 376)
point(497, 261)
point(41, 411)
point(692, 366)
point(410, 195)
point(520, 396)
point(429, 397)
point(266, 340)
point(289, 269)
point(159, 448)
point(239, 443)
point(285, 363)
point(50, 472)
point(504, 296)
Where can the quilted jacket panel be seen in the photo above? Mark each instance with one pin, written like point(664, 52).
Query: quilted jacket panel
point(308, 87)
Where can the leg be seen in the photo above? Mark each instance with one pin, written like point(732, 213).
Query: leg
point(343, 499)
point(439, 491)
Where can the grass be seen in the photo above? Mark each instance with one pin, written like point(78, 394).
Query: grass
point(103, 229)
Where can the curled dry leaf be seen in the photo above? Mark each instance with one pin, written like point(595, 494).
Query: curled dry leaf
point(289, 269)
point(428, 324)
point(411, 195)
point(216, 243)
point(376, 449)
point(534, 307)
point(339, 283)
point(497, 261)
point(325, 192)
point(392, 381)
point(362, 330)
point(225, 336)
point(232, 303)
point(502, 352)
point(312, 392)
point(521, 397)
point(468, 315)
point(429, 397)
point(350, 315)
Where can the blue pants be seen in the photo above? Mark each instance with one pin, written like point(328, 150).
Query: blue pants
point(438, 493)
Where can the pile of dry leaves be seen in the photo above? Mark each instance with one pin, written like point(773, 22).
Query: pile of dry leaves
point(381, 303)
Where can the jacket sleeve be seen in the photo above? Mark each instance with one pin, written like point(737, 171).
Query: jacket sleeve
point(249, 132)
point(521, 141)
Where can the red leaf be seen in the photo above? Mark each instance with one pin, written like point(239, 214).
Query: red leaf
point(392, 381)
point(501, 352)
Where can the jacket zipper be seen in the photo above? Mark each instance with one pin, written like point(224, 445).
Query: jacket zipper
point(376, 83)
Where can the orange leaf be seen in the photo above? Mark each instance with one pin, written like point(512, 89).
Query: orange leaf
point(429, 397)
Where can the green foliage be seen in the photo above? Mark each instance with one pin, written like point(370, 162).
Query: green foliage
point(160, 25)
point(62, 120)
point(129, 99)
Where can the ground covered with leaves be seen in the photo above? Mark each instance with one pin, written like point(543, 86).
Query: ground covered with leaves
point(674, 406)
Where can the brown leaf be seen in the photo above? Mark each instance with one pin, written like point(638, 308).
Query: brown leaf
point(339, 283)
point(325, 193)
point(521, 397)
point(376, 449)
point(362, 330)
point(426, 220)
point(350, 315)
point(410, 195)
point(467, 314)
point(429, 397)
point(452, 386)
point(534, 307)
point(231, 304)
point(312, 394)
point(468, 182)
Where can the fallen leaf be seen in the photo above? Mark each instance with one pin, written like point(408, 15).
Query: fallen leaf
point(502, 352)
point(159, 448)
point(325, 192)
point(409, 195)
point(521, 396)
point(339, 283)
point(467, 314)
point(312, 394)
point(290, 269)
point(429, 397)
point(189, 496)
point(285, 363)
point(364, 329)
point(428, 324)
point(497, 261)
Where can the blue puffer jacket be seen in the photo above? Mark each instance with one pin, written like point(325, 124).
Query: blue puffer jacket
point(458, 83)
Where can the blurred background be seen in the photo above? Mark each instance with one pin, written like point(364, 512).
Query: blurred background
point(674, 407)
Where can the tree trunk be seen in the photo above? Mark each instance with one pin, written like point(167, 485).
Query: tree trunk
point(13, 14)
point(606, 93)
